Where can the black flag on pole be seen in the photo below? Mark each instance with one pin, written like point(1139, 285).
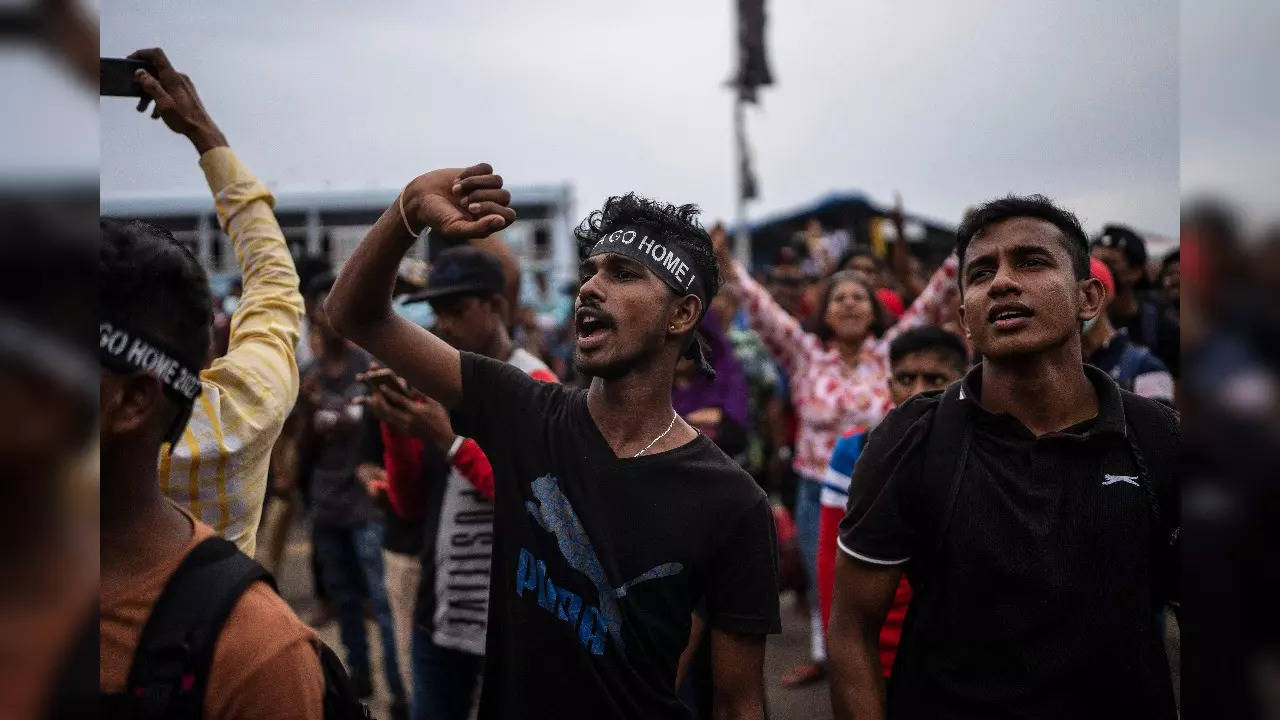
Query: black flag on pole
point(753, 65)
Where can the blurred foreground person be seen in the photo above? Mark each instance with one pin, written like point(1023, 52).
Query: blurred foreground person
point(1231, 399)
point(218, 467)
point(187, 622)
point(613, 518)
point(1034, 506)
point(48, 456)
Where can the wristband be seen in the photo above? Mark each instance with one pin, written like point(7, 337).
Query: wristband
point(403, 217)
point(453, 449)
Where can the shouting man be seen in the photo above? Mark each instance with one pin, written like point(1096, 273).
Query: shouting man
point(1032, 505)
point(613, 518)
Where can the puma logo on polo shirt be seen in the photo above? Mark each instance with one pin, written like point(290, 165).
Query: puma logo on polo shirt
point(1113, 479)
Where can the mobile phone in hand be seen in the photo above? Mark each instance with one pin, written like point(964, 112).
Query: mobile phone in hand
point(115, 77)
point(384, 378)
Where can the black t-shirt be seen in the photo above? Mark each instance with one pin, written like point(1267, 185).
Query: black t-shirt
point(598, 562)
point(337, 497)
point(1036, 601)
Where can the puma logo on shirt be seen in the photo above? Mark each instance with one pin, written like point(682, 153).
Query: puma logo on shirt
point(555, 514)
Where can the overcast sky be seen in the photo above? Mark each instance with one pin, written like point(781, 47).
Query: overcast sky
point(950, 103)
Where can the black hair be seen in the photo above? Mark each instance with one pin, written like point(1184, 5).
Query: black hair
point(310, 267)
point(977, 220)
point(152, 282)
point(445, 302)
point(1217, 219)
point(930, 338)
point(319, 285)
point(857, 252)
point(674, 224)
point(820, 327)
point(1174, 256)
point(1135, 248)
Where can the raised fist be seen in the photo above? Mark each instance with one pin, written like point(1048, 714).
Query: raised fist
point(459, 203)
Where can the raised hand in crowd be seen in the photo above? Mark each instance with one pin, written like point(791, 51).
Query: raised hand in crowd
point(453, 203)
point(176, 101)
point(458, 203)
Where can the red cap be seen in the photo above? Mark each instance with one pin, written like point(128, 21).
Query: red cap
point(1099, 270)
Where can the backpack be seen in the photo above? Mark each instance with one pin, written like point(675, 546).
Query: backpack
point(171, 664)
point(1133, 359)
point(1156, 442)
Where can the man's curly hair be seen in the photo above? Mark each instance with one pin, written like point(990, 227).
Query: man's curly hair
point(673, 224)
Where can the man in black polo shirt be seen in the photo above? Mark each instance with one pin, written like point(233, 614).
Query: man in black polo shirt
point(1031, 505)
point(613, 518)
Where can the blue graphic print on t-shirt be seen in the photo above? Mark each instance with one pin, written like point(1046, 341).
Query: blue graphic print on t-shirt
point(554, 514)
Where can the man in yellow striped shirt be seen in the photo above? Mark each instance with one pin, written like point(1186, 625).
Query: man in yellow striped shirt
point(218, 469)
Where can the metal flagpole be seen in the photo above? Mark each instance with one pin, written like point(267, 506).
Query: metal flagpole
point(742, 241)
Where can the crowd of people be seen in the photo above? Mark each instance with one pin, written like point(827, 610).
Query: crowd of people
point(965, 476)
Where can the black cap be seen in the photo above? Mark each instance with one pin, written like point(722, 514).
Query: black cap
point(1126, 241)
point(463, 270)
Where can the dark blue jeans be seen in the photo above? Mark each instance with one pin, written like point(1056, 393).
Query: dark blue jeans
point(444, 680)
point(808, 516)
point(351, 556)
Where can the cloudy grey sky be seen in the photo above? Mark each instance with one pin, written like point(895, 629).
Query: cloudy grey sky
point(950, 103)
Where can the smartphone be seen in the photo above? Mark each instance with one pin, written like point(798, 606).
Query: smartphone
point(115, 77)
point(386, 379)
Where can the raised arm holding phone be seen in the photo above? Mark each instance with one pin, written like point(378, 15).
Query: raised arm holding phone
point(218, 467)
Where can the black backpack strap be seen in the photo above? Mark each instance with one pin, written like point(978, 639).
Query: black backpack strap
point(946, 448)
point(175, 652)
point(946, 451)
point(1157, 438)
point(340, 700)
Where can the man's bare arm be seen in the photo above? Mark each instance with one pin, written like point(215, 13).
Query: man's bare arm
point(862, 598)
point(453, 203)
point(737, 671)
